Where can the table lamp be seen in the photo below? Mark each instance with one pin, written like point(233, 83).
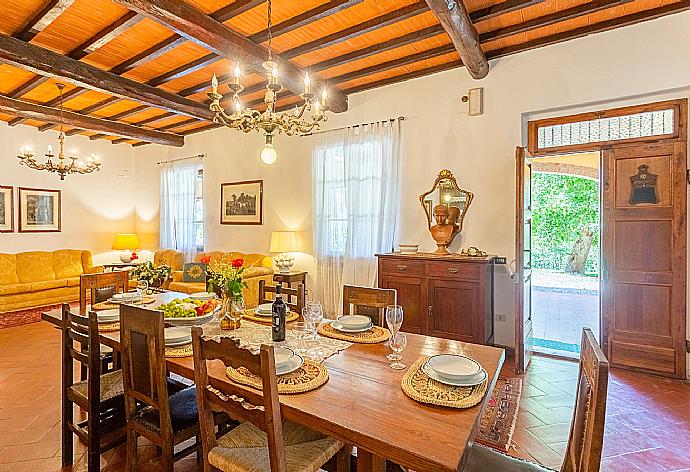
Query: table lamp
point(126, 243)
point(284, 242)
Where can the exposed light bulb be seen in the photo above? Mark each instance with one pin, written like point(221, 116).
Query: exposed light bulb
point(238, 105)
point(268, 154)
point(307, 83)
point(237, 70)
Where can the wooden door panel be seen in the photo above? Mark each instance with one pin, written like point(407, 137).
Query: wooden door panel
point(411, 296)
point(523, 259)
point(644, 259)
point(455, 304)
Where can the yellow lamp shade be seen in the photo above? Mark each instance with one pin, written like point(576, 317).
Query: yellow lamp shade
point(284, 241)
point(125, 241)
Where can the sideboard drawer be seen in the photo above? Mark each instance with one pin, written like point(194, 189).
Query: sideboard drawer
point(455, 270)
point(397, 266)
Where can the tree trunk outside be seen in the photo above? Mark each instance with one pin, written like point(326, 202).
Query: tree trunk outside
point(578, 257)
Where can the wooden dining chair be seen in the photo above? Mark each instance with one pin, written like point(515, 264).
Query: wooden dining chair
point(294, 298)
point(371, 302)
point(100, 396)
point(100, 287)
point(263, 441)
point(583, 452)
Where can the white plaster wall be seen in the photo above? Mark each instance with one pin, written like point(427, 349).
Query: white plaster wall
point(607, 69)
point(94, 207)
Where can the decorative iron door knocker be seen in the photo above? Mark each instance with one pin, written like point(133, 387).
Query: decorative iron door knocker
point(643, 186)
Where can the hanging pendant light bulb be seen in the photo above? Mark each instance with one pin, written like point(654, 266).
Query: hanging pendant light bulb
point(268, 154)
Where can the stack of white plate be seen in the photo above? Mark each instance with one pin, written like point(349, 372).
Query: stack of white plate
point(452, 369)
point(203, 296)
point(178, 336)
point(286, 360)
point(352, 323)
point(265, 309)
point(127, 297)
point(108, 316)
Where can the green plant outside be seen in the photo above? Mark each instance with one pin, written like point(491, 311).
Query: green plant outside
point(563, 205)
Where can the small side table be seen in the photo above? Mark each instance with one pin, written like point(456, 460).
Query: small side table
point(290, 277)
point(119, 266)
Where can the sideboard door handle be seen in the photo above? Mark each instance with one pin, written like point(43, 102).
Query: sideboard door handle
point(402, 267)
point(453, 270)
point(429, 310)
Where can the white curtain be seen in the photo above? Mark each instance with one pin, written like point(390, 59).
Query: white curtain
point(177, 229)
point(356, 195)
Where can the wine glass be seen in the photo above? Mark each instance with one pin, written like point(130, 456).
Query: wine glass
point(394, 319)
point(142, 287)
point(398, 343)
point(315, 315)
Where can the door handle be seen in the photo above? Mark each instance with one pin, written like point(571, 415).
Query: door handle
point(604, 269)
point(429, 310)
point(453, 270)
point(401, 267)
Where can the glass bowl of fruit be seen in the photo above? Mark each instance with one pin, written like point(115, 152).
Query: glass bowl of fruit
point(188, 311)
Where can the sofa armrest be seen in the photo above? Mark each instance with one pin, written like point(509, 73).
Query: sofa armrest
point(251, 272)
point(94, 270)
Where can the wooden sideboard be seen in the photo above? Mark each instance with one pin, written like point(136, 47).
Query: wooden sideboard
point(447, 296)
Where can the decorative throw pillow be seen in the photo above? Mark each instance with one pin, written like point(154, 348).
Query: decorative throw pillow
point(194, 272)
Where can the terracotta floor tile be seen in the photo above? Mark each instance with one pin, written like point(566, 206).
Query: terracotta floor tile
point(658, 460)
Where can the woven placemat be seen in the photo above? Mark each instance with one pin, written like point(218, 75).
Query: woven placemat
point(374, 335)
point(112, 306)
point(251, 316)
point(108, 327)
point(418, 386)
point(308, 377)
point(179, 351)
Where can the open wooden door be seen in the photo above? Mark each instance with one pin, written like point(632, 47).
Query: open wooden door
point(523, 260)
point(644, 239)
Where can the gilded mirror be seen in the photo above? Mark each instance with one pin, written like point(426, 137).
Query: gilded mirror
point(445, 206)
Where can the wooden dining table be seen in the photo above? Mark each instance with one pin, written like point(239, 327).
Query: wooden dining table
point(363, 404)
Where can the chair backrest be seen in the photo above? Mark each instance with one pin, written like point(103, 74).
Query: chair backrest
point(261, 408)
point(583, 453)
point(294, 298)
point(142, 341)
point(101, 286)
point(80, 343)
point(368, 301)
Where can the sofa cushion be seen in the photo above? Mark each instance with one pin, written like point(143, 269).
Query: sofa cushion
point(35, 267)
point(194, 272)
point(67, 263)
point(48, 284)
point(257, 271)
point(14, 289)
point(170, 257)
point(8, 269)
point(187, 287)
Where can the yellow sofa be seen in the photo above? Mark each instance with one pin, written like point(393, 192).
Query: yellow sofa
point(256, 267)
point(34, 279)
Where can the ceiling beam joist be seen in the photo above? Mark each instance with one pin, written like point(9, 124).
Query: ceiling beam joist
point(199, 27)
point(75, 120)
point(456, 21)
point(502, 8)
point(50, 11)
point(50, 64)
point(235, 8)
point(106, 35)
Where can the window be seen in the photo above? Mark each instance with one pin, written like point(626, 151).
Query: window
point(199, 210)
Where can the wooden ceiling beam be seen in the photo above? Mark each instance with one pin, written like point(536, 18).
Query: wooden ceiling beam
point(502, 8)
point(106, 35)
point(179, 124)
point(99, 105)
point(456, 21)
point(50, 64)
point(32, 111)
point(235, 8)
point(149, 54)
point(403, 77)
point(96, 136)
point(130, 112)
point(153, 119)
point(184, 69)
point(50, 11)
point(199, 27)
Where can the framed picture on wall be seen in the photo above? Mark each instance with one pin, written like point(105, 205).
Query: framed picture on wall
point(6, 209)
point(242, 203)
point(39, 210)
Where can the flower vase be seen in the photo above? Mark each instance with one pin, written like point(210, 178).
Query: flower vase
point(232, 311)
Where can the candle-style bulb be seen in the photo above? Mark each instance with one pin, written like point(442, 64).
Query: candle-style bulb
point(274, 72)
point(50, 149)
point(214, 83)
point(238, 106)
point(237, 70)
point(307, 83)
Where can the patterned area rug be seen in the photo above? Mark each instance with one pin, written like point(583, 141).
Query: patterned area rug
point(31, 315)
point(498, 422)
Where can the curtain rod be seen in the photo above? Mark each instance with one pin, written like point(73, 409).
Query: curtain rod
point(181, 159)
point(400, 118)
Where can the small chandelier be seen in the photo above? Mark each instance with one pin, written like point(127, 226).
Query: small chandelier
point(27, 156)
point(269, 122)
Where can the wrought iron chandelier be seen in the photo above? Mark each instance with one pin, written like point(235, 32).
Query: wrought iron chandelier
point(27, 156)
point(269, 122)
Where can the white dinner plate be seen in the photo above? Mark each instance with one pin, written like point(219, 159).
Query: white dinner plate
point(354, 321)
point(469, 382)
point(257, 312)
point(453, 366)
point(339, 326)
point(292, 365)
point(108, 316)
point(125, 296)
point(202, 296)
point(282, 355)
point(178, 333)
point(181, 342)
point(265, 308)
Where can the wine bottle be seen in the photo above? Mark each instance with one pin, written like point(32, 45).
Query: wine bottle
point(279, 311)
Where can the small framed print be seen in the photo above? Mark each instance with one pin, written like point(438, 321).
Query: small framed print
point(242, 203)
point(39, 210)
point(6, 209)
